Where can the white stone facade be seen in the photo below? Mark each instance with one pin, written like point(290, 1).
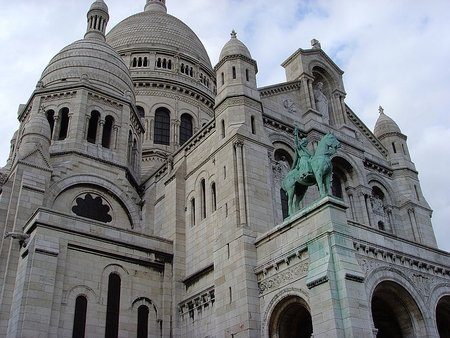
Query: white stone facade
point(142, 198)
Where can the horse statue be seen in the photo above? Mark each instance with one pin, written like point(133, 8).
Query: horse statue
point(310, 169)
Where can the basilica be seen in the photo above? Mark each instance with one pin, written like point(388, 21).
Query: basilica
point(143, 197)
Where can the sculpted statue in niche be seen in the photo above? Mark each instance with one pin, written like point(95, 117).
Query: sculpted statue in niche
point(290, 106)
point(322, 102)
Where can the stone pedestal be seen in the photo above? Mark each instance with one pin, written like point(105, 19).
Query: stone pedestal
point(339, 304)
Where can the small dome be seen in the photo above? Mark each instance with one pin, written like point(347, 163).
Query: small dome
point(99, 5)
point(36, 132)
point(234, 47)
point(90, 61)
point(385, 125)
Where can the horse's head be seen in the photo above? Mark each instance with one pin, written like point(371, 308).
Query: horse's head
point(329, 144)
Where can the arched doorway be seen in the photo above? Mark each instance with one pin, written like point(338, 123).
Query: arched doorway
point(291, 319)
point(395, 314)
point(443, 317)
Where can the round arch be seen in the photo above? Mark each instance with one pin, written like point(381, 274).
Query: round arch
point(291, 318)
point(393, 308)
point(92, 180)
point(443, 316)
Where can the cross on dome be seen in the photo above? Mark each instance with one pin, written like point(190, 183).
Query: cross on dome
point(233, 34)
point(381, 110)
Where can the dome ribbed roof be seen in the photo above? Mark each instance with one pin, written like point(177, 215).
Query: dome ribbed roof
point(385, 125)
point(92, 61)
point(157, 30)
point(234, 47)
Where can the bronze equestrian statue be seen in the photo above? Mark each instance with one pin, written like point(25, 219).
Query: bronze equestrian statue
point(309, 169)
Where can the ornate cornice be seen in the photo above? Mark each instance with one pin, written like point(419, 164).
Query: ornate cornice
point(279, 88)
point(377, 167)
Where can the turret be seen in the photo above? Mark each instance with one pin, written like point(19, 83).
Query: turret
point(390, 135)
point(97, 19)
point(236, 71)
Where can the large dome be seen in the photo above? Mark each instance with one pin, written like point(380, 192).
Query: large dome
point(92, 61)
point(157, 30)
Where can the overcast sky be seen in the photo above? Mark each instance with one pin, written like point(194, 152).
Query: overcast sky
point(394, 53)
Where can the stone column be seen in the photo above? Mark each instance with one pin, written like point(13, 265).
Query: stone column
point(305, 86)
point(115, 136)
point(311, 94)
point(56, 127)
point(98, 137)
point(238, 145)
point(86, 127)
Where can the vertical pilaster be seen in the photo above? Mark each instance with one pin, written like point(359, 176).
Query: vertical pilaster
point(238, 145)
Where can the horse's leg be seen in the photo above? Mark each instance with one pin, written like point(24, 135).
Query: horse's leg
point(290, 195)
point(320, 185)
point(327, 180)
point(301, 194)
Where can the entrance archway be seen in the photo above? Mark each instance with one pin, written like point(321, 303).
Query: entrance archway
point(395, 313)
point(443, 317)
point(291, 319)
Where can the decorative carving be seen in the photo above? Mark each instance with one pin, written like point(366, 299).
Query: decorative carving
point(283, 277)
point(322, 102)
point(199, 302)
point(290, 106)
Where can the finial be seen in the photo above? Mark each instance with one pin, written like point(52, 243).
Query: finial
point(316, 44)
point(233, 34)
point(380, 110)
point(156, 6)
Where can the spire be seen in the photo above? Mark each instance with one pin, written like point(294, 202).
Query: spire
point(156, 6)
point(97, 19)
point(381, 110)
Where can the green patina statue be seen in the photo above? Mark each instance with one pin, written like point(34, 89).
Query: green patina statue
point(309, 169)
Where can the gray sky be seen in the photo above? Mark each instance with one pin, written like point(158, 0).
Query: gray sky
point(394, 52)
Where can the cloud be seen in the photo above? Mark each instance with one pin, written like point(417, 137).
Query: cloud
point(394, 53)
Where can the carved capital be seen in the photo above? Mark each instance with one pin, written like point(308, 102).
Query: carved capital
point(238, 144)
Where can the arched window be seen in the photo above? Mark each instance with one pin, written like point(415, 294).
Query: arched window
point(107, 131)
point(134, 154)
point(145, 62)
point(113, 307)
point(51, 119)
point(336, 185)
point(93, 125)
point(234, 72)
point(186, 128)
point(140, 62)
point(182, 67)
point(252, 120)
point(213, 197)
point(203, 198)
point(63, 123)
point(223, 128)
point(284, 204)
point(134, 62)
point(158, 63)
point(142, 325)
point(247, 75)
point(129, 146)
point(164, 63)
point(79, 319)
point(169, 64)
point(140, 111)
point(223, 78)
point(394, 148)
point(192, 212)
point(162, 126)
point(191, 72)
